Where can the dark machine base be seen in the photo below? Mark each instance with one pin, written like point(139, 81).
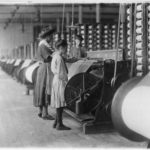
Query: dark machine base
point(88, 124)
point(98, 127)
point(81, 118)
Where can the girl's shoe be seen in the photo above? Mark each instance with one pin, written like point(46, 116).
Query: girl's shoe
point(40, 115)
point(62, 127)
point(54, 125)
point(47, 117)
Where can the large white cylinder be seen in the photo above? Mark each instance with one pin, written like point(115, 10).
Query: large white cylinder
point(17, 63)
point(29, 71)
point(131, 108)
point(26, 63)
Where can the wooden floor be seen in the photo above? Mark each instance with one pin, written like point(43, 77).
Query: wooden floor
point(20, 126)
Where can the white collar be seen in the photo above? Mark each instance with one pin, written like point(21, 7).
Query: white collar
point(45, 43)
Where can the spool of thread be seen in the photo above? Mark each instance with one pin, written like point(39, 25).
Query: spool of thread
point(148, 15)
point(98, 27)
point(121, 45)
point(90, 31)
point(113, 36)
point(139, 74)
point(97, 31)
point(82, 27)
point(148, 45)
point(139, 53)
point(139, 23)
point(121, 31)
point(149, 60)
point(129, 10)
point(105, 41)
point(113, 40)
point(113, 26)
point(139, 7)
point(113, 31)
point(129, 32)
point(121, 40)
point(128, 18)
point(90, 36)
point(129, 53)
point(139, 68)
point(139, 45)
point(106, 27)
point(139, 60)
point(106, 31)
point(129, 46)
point(139, 15)
point(121, 36)
point(148, 7)
point(90, 27)
point(128, 25)
point(139, 30)
point(82, 32)
point(149, 22)
point(129, 39)
point(139, 38)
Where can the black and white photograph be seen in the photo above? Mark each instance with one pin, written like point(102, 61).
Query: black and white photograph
point(74, 74)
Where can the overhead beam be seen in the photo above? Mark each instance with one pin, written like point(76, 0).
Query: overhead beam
point(51, 9)
point(49, 20)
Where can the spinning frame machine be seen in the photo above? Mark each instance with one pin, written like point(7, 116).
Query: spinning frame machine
point(90, 80)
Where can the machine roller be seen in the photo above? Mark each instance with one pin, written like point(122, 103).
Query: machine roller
point(130, 109)
point(30, 73)
point(21, 71)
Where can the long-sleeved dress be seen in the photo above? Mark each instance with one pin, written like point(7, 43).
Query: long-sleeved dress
point(42, 87)
point(59, 82)
point(78, 53)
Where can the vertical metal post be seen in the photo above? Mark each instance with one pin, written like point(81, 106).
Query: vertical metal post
point(98, 16)
point(25, 54)
point(67, 20)
point(133, 44)
point(31, 45)
point(58, 24)
point(145, 43)
point(80, 14)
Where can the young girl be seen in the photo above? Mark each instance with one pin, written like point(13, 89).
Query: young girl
point(60, 79)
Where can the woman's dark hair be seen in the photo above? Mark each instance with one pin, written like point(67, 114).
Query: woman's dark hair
point(79, 37)
point(62, 43)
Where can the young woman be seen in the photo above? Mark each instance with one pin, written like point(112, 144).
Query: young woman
point(60, 79)
point(41, 97)
point(78, 51)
